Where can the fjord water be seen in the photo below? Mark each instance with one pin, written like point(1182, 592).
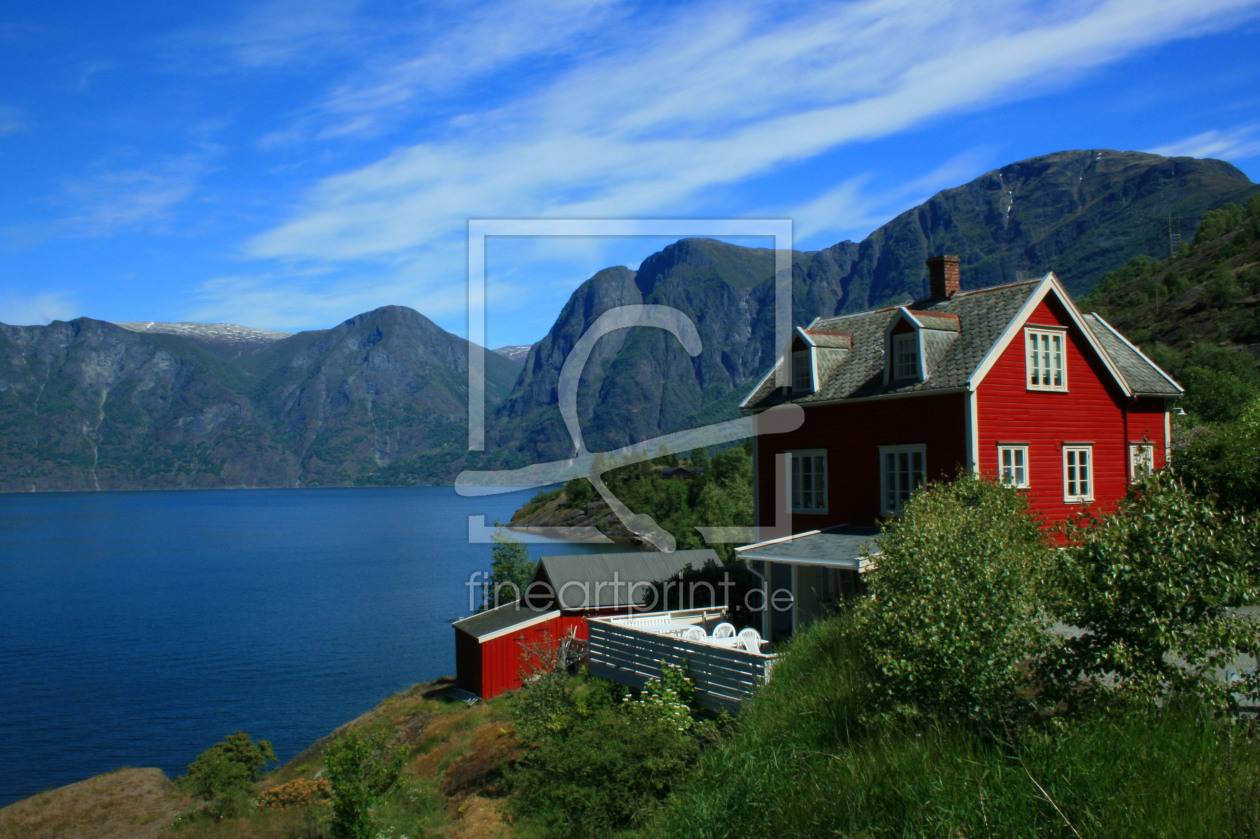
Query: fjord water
point(139, 628)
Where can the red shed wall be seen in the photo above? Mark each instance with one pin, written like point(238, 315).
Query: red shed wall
point(852, 434)
point(506, 658)
point(1093, 410)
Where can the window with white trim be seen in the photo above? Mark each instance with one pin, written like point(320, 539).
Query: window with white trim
point(802, 371)
point(905, 349)
point(809, 481)
point(1047, 368)
point(1078, 473)
point(902, 470)
point(1141, 460)
point(1013, 465)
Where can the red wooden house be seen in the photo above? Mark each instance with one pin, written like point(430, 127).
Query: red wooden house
point(495, 648)
point(1011, 381)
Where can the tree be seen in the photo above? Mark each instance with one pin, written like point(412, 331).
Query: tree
point(361, 770)
point(224, 774)
point(511, 569)
point(1225, 461)
point(955, 612)
point(1152, 588)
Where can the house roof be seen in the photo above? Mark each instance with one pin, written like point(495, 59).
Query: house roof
point(847, 546)
point(959, 336)
point(610, 580)
point(490, 624)
point(1143, 375)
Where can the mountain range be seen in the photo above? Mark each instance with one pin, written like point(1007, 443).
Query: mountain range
point(382, 398)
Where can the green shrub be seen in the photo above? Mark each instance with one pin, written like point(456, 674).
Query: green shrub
point(605, 773)
point(1152, 587)
point(361, 770)
point(956, 610)
point(666, 699)
point(224, 774)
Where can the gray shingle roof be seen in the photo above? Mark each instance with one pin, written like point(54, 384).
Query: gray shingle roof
point(589, 581)
point(958, 333)
point(1141, 374)
point(951, 356)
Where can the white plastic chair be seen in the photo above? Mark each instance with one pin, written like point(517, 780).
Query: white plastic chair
point(723, 630)
point(751, 639)
point(694, 633)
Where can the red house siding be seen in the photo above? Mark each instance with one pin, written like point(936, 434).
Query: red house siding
point(851, 434)
point(1091, 411)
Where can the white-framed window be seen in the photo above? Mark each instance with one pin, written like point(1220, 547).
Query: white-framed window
point(1141, 460)
point(1013, 465)
point(809, 481)
point(1047, 367)
point(802, 371)
point(1078, 473)
point(902, 470)
point(905, 350)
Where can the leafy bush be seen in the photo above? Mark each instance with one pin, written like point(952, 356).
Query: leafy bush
point(543, 707)
point(605, 773)
point(1152, 588)
point(361, 771)
point(666, 699)
point(956, 609)
point(224, 774)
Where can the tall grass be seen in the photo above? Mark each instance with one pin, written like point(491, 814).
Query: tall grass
point(801, 763)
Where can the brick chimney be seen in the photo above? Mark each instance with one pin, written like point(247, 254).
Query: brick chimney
point(943, 282)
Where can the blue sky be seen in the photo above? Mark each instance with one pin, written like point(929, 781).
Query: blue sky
point(290, 164)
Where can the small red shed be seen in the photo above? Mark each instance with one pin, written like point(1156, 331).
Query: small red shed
point(495, 648)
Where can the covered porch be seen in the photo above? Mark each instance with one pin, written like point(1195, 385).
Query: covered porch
point(809, 575)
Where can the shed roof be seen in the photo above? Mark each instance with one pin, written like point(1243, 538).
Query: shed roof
point(610, 580)
point(485, 626)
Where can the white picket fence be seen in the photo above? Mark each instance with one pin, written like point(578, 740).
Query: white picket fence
point(630, 650)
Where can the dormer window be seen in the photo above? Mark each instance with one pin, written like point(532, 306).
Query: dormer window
point(802, 371)
point(905, 350)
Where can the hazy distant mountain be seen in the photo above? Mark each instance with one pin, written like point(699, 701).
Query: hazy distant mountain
point(90, 405)
point(1079, 213)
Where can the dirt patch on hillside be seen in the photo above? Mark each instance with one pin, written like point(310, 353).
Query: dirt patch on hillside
point(127, 804)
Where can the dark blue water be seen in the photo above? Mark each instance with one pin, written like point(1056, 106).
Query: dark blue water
point(139, 628)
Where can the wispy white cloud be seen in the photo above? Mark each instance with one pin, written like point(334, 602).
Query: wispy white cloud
point(702, 100)
point(116, 199)
point(316, 298)
point(127, 199)
point(272, 34)
point(1241, 143)
point(37, 309)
